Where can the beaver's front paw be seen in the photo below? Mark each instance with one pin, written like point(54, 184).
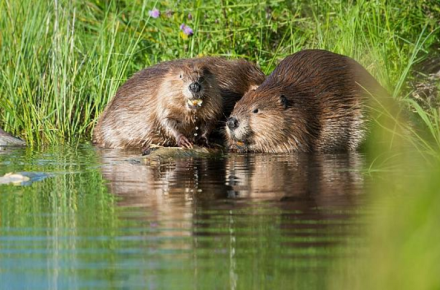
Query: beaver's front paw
point(182, 141)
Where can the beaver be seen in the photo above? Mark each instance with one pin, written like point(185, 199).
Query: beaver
point(175, 103)
point(314, 100)
point(234, 77)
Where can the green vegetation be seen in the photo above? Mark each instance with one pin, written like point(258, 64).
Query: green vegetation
point(61, 61)
point(403, 243)
point(404, 238)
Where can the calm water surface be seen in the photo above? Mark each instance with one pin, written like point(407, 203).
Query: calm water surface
point(90, 219)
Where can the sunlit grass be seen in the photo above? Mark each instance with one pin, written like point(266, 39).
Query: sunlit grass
point(61, 61)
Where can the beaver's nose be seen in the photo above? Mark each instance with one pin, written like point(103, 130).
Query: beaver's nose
point(232, 123)
point(195, 87)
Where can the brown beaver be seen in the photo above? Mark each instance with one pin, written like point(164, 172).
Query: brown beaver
point(175, 103)
point(314, 100)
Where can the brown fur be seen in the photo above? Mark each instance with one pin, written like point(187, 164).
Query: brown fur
point(314, 100)
point(234, 77)
point(150, 108)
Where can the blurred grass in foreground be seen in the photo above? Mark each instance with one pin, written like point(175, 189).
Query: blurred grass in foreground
point(61, 61)
point(402, 241)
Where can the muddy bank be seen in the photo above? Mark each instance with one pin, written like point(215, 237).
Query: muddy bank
point(9, 140)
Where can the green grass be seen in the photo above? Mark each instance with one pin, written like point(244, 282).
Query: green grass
point(61, 61)
point(402, 238)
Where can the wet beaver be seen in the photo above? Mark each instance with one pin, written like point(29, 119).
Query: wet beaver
point(234, 77)
point(175, 103)
point(314, 100)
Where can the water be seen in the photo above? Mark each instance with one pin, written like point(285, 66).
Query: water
point(90, 219)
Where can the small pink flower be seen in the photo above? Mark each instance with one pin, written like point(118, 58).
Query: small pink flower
point(186, 29)
point(155, 13)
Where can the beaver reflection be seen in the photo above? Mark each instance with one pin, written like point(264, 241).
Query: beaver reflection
point(217, 203)
point(319, 178)
point(177, 190)
point(170, 189)
point(310, 198)
point(324, 179)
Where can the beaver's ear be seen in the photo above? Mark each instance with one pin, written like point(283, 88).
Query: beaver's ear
point(252, 88)
point(284, 101)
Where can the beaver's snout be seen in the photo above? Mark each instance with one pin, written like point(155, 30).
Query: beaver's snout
point(232, 123)
point(195, 87)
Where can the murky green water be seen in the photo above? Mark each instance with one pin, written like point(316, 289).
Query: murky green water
point(90, 219)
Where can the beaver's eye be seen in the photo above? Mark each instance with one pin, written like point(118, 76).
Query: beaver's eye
point(180, 76)
point(255, 111)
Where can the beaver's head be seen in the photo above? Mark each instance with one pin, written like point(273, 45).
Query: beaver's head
point(197, 82)
point(268, 120)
